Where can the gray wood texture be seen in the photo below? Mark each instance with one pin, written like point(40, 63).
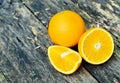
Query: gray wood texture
point(24, 40)
point(23, 49)
point(105, 13)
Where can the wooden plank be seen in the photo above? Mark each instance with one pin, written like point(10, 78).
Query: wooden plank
point(106, 13)
point(23, 49)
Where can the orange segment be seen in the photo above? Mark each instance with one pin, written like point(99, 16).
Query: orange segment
point(96, 46)
point(64, 59)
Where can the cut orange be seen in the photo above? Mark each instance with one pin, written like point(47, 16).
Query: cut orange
point(63, 59)
point(65, 28)
point(96, 46)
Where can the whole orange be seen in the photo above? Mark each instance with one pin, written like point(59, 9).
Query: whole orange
point(65, 28)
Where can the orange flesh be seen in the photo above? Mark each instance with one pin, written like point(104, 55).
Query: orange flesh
point(64, 59)
point(103, 49)
point(96, 46)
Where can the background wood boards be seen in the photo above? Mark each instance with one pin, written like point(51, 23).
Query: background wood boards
point(24, 40)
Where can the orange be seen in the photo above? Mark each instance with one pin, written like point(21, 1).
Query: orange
point(65, 28)
point(64, 59)
point(96, 46)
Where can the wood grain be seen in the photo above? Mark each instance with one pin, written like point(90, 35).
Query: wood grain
point(105, 13)
point(23, 48)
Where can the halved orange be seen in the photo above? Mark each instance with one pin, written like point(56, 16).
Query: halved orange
point(96, 46)
point(64, 59)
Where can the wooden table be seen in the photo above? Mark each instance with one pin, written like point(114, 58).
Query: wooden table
point(24, 40)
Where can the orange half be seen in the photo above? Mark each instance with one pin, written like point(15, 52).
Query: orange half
point(96, 46)
point(63, 59)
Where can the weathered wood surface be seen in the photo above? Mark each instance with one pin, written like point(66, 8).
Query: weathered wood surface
point(23, 49)
point(106, 13)
point(24, 40)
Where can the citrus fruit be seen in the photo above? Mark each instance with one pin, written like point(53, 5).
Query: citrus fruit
point(96, 46)
point(64, 59)
point(65, 28)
